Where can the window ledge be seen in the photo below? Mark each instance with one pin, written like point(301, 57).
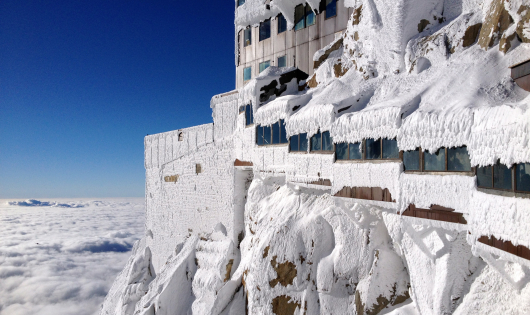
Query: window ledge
point(273, 145)
point(248, 126)
point(322, 152)
point(504, 193)
point(298, 152)
point(441, 173)
point(369, 161)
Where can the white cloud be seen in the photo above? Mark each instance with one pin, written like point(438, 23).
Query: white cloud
point(61, 257)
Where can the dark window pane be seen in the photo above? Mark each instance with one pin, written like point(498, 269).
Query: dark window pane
point(247, 39)
point(293, 143)
point(327, 142)
point(316, 142)
point(276, 133)
point(264, 65)
point(299, 17)
point(341, 150)
point(373, 149)
point(240, 2)
point(282, 61)
point(522, 176)
point(390, 149)
point(265, 30)
point(267, 135)
point(436, 161)
point(411, 160)
point(283, 133)
point(259, 137)
point(331, 8)
point(251, 114)
point(303, 142)
point(248, 115)
point(484, 175)
point(309, 15)
point(282, 24)
point(355, 151)
point(247, 74)
point(458, 159)
point(502, 177)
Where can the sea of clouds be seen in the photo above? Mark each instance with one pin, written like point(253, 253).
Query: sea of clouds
point(61, 256)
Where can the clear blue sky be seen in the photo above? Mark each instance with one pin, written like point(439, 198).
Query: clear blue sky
point(82, 83)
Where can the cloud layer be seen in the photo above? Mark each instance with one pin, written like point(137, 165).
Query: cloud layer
point(61, 257)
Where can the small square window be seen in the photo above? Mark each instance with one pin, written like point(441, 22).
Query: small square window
point(434, 161)
point(247, 37)
point(247, 73)
point(264, 65)
point(282, 24)
point(282, 61)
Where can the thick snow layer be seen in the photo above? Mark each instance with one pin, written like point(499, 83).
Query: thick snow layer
point(63, 259)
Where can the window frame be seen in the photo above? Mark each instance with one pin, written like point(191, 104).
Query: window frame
point(422, 164)
point(348, 151)
point(278, 61)
point(298, 139)
point(245, 68)
point(249, 30)
point(261, 25)
point(271, 135)
point(321, 151)
point(512, 169)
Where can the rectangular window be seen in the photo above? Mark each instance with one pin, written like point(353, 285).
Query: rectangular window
point(303, 142)
point(274, 134)
point(355, 151)
point(522, 177)
point(321, 141)
point(458, 159)
point(240, 2)
point(265, 30)
point(282, 24)
point(299, 17)
point(327, 144)
point(341, 150)
point(434, 161)
point(502, 177)
point(331, 8)
point(298, 143)
point(247, 73)
point(373, 149)
point(247, 37)
point(282, 61)
point(411, 160)
point(249, 116)
point(390, 149)
point(485, 177)
point(309, 15)
point(264, 65)
point(267, 133)
point(283, 132)
point(259, 135)
point(316, 142)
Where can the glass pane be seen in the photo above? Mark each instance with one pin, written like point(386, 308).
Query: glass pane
point(282, 24)
point(265, 30)
point(276, 133)
point(390, 149)
point(355, 151)
point(522, 176)
point(251, 114)
point(327, 142)
point(248, 118)
point(315, 142)
point(283, 133)
point(259, 137)
point(282, 61)
point(341, 150)
point(299, 17)
point(484, 176)
point(303, 142)
point(331, 8)
point(502, 176)
point(264, 65)
point(373, 149)
point(458, 159)
point(247, 36)
point(240, 2)
point(247, 73)
point(266, 135)
point(411, 160)
point(436, 161)
point(309, 15)
point(293, 143)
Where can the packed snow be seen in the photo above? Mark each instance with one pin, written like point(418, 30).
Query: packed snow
point(61, 256)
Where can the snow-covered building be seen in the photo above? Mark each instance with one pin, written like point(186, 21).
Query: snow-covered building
point(383, 164)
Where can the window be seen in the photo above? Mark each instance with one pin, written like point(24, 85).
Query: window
point(247, 36)
point(443, 160)
point(282, 61)
point(264, 65)
point(282, 24)
point(369, 149)
point(309, 15)
point(240, 2)
point(265, 30)
point(247, 73)
point(299, 17)
point(331, 8)
point(500, 176)
point(522, 177)
point(275, 134)
point(321, 141)
point(348, 151)
point(298, 143)
point(249, 115)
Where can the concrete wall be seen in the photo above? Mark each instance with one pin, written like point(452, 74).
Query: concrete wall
point(299, 46)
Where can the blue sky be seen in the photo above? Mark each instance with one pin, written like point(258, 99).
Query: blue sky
point(82, 83)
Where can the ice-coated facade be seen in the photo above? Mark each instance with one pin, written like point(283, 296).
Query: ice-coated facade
point(236, 224)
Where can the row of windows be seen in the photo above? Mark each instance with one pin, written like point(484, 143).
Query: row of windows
point(275, 134)
point(451, 160)
point(304, 16)
point(499, 176)
point(369, 149)
point(247, 72)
